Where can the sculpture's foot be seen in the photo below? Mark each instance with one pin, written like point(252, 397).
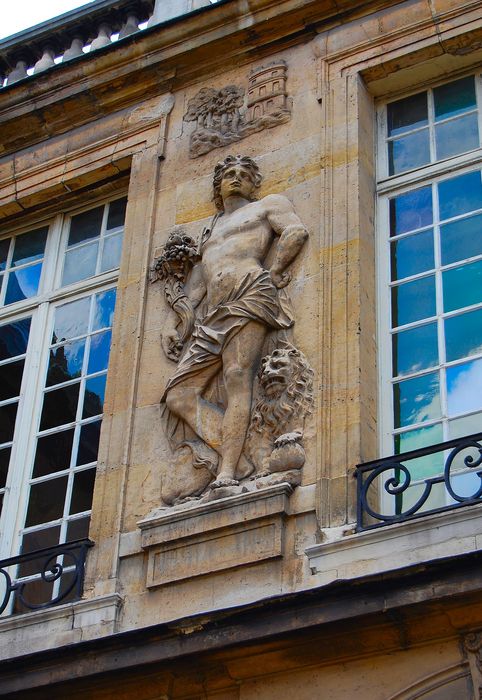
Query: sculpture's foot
point(223, 480)
point(185, 499)
point(261, 474)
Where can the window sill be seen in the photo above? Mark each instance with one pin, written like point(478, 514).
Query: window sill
point(394, 547)
point(59, 626)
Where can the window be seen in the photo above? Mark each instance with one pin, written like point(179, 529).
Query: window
point(430, 272)
point(56, 311)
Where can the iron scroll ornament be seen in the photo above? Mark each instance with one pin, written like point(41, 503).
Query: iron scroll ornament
point(49, 571)
point(400, 478)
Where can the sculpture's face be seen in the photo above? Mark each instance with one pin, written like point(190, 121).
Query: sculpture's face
point(237, 181)
point(275, 373)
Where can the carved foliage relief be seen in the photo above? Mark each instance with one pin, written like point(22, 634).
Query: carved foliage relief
point(224, 116)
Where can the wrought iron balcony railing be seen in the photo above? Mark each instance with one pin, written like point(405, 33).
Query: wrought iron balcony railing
point(421, 482)
point(43, 578)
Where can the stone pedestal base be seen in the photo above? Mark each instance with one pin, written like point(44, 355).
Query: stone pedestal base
point(201, 538)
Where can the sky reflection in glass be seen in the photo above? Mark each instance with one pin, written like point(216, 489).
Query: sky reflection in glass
point(417, 400)
point(464, 388)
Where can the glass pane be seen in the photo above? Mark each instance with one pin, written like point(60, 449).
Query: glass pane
point(422, 467)
point(412, 255)
point(65, 362)
point(457, 136)
point(436, 499)
point(111, 253)
point(104, 305)
point(29, 246)
point(464, 388)
point(46, 501)
point(463, 335)
point(462, 286)
point(466, 485)
point(23, 283)
point(32, 542)
point(4, 246)
point(406, 114)
point(416, 400)
point(413, 301)
point(82, 491)
point(461, 239)
point(99, 352)
point(35, 593)
point(4, 461)
point(60, 406)
point(53, 453)
point(460, 427)
point(10, 379)
point(415, 349)
point(14, 338)
point(117, 213)
point(8, 415)
point(67, 581)
point(411, 211)
point(454, 98)
point(94, 396)
point(89, 443)
point(409, 152)
point(460, 195)
point(418, 438)
point(86, 225)
point(71, 320)
point(77, 529)
point(80, 263)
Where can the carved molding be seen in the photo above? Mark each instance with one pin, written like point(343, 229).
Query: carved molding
point(473, 647)
point(219, 116)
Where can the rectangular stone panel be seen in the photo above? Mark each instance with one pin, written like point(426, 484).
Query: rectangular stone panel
point(218, 551)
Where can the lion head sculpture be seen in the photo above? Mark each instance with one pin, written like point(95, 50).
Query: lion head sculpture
point(286, 391)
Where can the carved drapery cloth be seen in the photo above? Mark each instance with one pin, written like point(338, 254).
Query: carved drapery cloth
point(254, 299)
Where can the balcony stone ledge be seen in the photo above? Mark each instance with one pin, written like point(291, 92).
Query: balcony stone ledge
point(58, 626)
point(346, 556)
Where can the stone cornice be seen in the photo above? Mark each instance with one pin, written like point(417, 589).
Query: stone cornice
point(160, 59)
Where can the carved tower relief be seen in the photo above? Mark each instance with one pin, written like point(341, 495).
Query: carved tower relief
point(234, 408)
point(219, 116)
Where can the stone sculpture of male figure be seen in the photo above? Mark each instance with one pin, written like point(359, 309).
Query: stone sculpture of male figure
point(243, 305)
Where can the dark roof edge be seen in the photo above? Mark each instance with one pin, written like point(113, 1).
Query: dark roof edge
point(340, 601)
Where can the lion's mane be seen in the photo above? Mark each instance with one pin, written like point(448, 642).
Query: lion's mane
point(296, 399)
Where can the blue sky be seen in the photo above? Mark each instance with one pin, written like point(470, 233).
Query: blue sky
point(32, 12)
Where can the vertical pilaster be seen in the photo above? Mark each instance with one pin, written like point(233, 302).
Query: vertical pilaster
point(348, 368)
point(115, 447)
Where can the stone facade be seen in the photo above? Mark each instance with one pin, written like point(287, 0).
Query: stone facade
point(216, 584)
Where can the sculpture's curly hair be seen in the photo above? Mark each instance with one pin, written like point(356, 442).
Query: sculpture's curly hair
point(223, 165)
point(296, 399)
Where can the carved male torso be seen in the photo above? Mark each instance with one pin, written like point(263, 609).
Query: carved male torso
point(238, 245)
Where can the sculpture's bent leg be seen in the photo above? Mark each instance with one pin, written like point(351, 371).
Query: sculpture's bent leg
point(185, 401)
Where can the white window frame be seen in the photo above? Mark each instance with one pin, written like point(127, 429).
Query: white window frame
point(41, 309)
point(389, 186)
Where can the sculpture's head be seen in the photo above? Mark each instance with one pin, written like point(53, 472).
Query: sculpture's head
point(235, 176)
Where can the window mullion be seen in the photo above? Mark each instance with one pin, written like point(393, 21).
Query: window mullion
point(21, 457)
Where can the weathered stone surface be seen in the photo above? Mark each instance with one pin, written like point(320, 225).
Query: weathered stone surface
point(215, 536)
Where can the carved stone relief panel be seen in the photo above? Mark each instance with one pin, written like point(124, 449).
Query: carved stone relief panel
point(221, 116)
point(234, 408)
